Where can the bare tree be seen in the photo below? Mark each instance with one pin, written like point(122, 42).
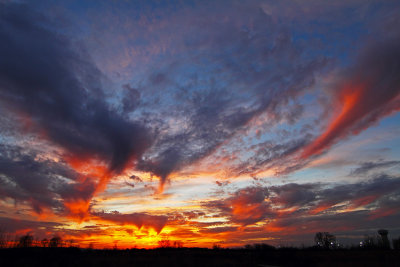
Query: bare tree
point(2, 239)
point(55, 242)
point(45, 242)
point(164, 243)
point(71, 243)
point(25, 241)
point(217, 246)
point(178, 244)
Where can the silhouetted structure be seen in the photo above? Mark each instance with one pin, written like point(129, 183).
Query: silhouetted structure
point(396, 243)
point(384, 238)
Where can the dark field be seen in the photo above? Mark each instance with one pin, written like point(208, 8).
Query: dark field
point(196, 257)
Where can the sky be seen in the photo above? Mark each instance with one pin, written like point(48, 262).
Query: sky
point(207, 122)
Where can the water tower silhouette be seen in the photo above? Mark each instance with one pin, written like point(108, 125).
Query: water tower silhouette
point(384, 236)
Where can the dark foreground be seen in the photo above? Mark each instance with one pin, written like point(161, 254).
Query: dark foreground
point(196, 257)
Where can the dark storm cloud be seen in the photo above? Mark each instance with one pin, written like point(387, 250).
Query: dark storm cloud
point(46, 77)
point(9, 225)
point(42, 229)
point(293, 194)
point(23, 178)
point(367, 167)
point(131, 98)
point(42, 183)
point(359, 194)
point(246, 65)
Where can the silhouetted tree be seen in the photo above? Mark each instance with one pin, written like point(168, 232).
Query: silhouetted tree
point(2, 239)
point(70, 243)
point(248, 246)
point(263, 246)
point(25, 241)
point(325, 240)
point(55, 242)
point(44, 242)
point(217, 246)
point(178, 244)
point(164, 243)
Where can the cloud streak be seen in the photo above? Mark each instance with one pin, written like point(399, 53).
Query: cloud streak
point(358, 104)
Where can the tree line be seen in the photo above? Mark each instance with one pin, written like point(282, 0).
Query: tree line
point(28, 240)
point(323, 240)
point(327, 240)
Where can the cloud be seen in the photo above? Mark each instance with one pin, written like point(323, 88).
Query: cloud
point(49, 79)
point(366, 167)
point(137, 219)
point(245, 207)
point(46, 77)
point(357, 103)
point(27, 176)
point(358, 194)
point(193, 214)
point(10, 226)
point(131, 99)
point(218, 230)
point(44, 229)
point(293, 194)
point(242, 71)
point(24, 178)
point(273, 155)
point(271, 204)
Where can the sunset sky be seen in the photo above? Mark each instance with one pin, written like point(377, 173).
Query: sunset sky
point(208, 122)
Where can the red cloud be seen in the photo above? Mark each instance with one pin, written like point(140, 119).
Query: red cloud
point(370, 91)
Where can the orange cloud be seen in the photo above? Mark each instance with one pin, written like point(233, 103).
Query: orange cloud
point(370, 91)
point(139, 220)
point(320, 208)
point(93, 179)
